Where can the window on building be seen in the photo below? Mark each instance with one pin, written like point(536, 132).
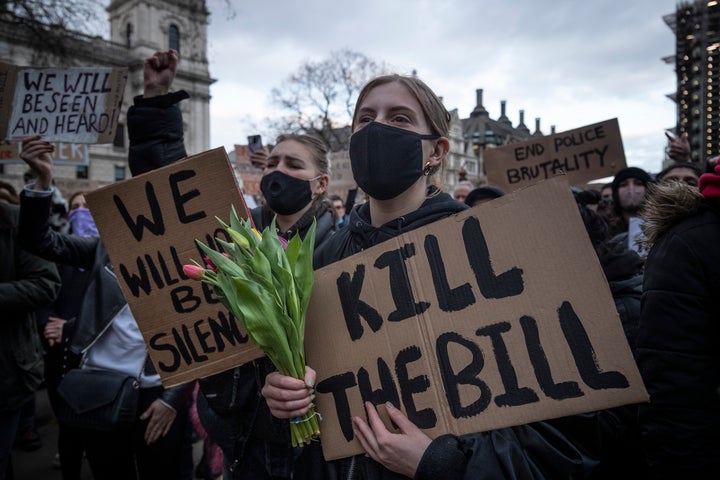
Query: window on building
point(174, 37)
point(128, 35)
point(81, 172)
point(119, 140)
point(120, 173)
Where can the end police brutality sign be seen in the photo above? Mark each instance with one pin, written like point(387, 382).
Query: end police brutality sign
point(584, 154)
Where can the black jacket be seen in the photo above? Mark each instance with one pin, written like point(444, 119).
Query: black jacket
point(26, 284)
point(679, 343)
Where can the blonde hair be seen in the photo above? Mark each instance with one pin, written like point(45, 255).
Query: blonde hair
point(435, 112)
point(436, 115)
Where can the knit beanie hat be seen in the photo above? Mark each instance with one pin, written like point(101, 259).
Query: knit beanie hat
point(622, 175)
point(709, 184)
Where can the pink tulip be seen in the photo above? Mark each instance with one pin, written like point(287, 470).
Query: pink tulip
point(194, 272)
point(283, 242)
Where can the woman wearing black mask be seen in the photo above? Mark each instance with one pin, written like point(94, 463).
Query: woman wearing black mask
point(294, 185)
point(255, 444)
point(399, 140)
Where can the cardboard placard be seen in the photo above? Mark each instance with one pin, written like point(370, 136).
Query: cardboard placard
point(149, 225)
point(341, 176)
point(584, 154)
point(497, 316)
point(64, 154)
point(76, 105)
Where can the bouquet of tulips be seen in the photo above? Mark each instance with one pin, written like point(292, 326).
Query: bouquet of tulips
point(266, 282)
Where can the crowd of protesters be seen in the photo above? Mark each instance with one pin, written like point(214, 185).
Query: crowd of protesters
point(654, 236)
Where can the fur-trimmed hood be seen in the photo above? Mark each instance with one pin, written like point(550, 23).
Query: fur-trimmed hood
point(665, 205)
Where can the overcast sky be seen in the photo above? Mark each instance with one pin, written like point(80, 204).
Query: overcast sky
point(571, 63)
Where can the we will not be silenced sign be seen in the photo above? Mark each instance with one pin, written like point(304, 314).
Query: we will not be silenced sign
point(497, 316)
point(149, 225)
point(77, 105)
point(583, 154)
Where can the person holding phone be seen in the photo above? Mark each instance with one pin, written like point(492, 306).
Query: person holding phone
point(400, 139)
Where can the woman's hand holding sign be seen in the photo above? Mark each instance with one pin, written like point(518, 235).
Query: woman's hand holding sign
point(38, 155)
point(399, 452)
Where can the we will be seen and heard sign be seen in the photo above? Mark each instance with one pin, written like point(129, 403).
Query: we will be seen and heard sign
point(75, 105)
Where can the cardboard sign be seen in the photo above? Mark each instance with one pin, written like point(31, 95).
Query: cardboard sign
point(584, 154)
point(65, 153)
point(341, 176)
point(149, 225)
point(251, 175)
point(497, 316)
point(78, 105)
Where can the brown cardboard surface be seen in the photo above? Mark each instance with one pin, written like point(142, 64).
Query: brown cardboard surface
point(76, 105)
point(583, 154)
point(149, 225)
point(515, 323)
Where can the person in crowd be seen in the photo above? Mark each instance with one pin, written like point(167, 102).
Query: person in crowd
point(57, 324)
point(400, 139)
point(623, 268)
point(678, 337)
point(106, 333)
point(340, 211)
point(27, 437)
point(230, 407)
point(605, 204)
point(8, 194)
point(483, 194)
point(462, 189)
point(26, 284)
point(629, 187)
point(256, 445)
point(589, 197)
point(682, 172)
point(678, 148)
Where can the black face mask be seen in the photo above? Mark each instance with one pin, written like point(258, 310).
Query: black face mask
point(284, 194)
point(386, 160)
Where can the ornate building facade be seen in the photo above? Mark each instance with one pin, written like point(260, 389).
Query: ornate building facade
point(138, 28)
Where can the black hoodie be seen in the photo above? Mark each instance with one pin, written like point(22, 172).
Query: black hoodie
point(360, 234)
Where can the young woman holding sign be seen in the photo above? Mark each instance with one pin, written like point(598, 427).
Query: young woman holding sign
point(106, 333)
point(399, 141)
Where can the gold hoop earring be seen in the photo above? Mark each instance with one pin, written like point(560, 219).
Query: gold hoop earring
point(429, 170)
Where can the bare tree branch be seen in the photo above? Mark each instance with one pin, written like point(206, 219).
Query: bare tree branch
point(320, 97)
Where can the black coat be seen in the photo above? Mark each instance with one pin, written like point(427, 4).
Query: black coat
point(26, 284)
point(678, 348)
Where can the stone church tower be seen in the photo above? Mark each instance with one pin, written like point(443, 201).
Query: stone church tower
point(145, 26)
point(138, 28)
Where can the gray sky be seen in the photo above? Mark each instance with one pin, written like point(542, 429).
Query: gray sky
point(571, 63)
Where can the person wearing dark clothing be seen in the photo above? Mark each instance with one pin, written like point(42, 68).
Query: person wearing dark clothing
point(106, 333)
point(230, 408)
point(27, 283)
point(255, 444)
point(679, 334)
point(399, 141)
point(629, 187)
point(623, 270)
